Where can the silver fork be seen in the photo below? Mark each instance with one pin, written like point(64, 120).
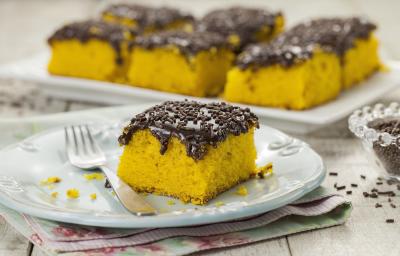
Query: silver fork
point(83, 152)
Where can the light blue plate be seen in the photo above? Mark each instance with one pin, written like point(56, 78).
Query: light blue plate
point(297, 171)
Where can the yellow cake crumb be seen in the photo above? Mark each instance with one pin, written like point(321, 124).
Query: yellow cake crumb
point(219, 203)
point(51, 186)
point(93, 196)
point(54, 194)
point(50, 180)
point(73, 193)
point(94, 176)
point(241, 191)
point(264, 170)
point(170, 202)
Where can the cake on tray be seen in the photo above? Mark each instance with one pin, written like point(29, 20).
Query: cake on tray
point(146, 18)
point(193, 64)
point(305, 66)
point(242, 26)
point(91, 49)
point(188, 150)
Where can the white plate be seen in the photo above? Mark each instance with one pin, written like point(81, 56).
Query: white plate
point(34, 70)
point(297, 171)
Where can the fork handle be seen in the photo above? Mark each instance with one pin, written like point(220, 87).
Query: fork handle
point(131, 200)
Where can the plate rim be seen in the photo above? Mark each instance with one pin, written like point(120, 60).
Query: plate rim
point(202, 219)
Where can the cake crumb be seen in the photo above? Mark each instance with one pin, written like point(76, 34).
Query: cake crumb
point(51, 186)
point(93, 196)
point(50, 180)
point(170, 202)
point(219, 203)
point(94, 176)
point(241, 191)
point(54, 194)
point(73, 193)
point(264, 170)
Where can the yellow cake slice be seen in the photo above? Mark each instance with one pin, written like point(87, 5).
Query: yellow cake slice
point(91, 49)
point(180, 62)
point(188, 150)
point(305, 66)
point(148, 19)
point(242, 26)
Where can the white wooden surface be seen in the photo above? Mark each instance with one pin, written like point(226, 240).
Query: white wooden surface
point(24, 25)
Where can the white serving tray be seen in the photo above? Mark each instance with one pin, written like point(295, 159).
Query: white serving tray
point(33, 69)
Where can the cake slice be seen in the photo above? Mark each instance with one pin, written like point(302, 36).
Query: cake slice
point(242, 26)
point(305, 66)
point(176, 61)
point(188, 150)
point(146, 18)
point(91, 49)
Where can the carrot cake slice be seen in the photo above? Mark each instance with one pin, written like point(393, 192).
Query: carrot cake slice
point(181, 62)
point(305, 66)
point(242, 26)
point(146, 18)
point(188, 150)
point(91, 49)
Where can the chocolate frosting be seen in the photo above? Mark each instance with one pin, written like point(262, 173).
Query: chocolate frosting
point(187, 43)
point(147, 16)
point(195, 124)
point(95, 29)
point(298, 44)
point(244, 22)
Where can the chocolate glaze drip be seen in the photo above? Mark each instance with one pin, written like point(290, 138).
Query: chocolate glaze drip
point(188, 43)
point(196, 124)
point(244, 22)
point(298, 44)
point(94, 29)
point(147, 16)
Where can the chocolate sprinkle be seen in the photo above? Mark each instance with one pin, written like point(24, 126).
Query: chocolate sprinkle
point(341, 187)
point(239, 21)
point(392, 205)
point(188, 43)
point(333, 174)
point(349, 192)
point(354, 185)
point(388, 155)
point(389, 220)
point(196, 124)
point(146, 16)
point(365, 194)
point(363, 177)
point(298, 43)
point(94, 29)
point(378, 205)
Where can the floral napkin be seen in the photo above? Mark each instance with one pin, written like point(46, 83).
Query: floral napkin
point(318, 209)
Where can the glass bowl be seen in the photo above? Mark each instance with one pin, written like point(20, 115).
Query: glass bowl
point(378, 128)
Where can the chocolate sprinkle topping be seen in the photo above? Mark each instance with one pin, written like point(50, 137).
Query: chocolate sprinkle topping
point(243, 22)
point(195, 124)
point(94, 29)
point(298, 43)
point(147, 16)
point(187, 43)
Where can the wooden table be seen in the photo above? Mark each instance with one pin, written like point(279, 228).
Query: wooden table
point(24, 26)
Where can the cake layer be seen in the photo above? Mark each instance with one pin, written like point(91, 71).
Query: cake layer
point(188, 150)
point(302, 86)
point(180, 62)
point(306, 65)
point(91, 49)
point(242, 26)
point(147, 19)
point(178, 175)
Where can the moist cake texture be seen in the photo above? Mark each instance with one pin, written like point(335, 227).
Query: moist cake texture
point(242, 26)
point(188, 150)
point(181, 62)
point(306, 65)
point(147, 19)
point(90, 49)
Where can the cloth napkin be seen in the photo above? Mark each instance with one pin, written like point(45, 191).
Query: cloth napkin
point(318, 209)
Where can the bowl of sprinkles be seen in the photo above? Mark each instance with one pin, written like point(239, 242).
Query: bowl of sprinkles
point(378, 128)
